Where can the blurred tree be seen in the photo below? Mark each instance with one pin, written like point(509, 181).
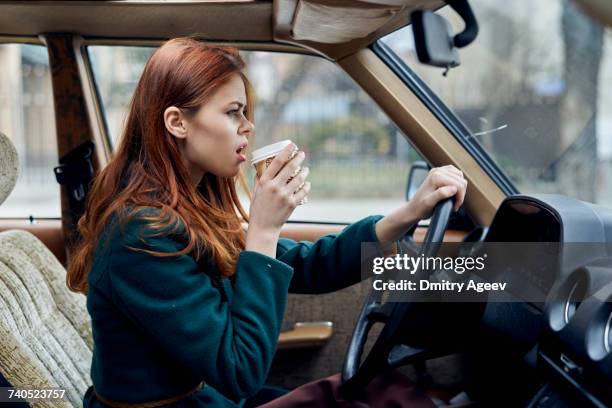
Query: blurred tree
point(273, 108)
point(576, 168)
point(347, 138)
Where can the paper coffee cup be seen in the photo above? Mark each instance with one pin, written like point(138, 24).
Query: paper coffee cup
point(262, 157)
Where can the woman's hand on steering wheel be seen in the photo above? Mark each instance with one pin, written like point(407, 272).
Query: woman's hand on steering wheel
point(434, 199)
point(441, 183)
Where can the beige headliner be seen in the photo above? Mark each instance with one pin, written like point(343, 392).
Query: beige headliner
point(249, 20)
point(152, 20)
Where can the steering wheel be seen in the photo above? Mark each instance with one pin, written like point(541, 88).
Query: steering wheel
point(421, 319)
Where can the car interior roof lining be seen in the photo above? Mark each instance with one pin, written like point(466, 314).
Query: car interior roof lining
point(347, 26)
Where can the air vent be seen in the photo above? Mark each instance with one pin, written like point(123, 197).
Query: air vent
point(607, 335)
point(599, 331)
point(573, 299)
point(567, 299)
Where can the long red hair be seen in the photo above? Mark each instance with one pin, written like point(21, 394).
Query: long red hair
point(147, 169)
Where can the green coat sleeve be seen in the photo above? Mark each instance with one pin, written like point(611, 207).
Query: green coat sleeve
point(230, 346)
point(332, 262)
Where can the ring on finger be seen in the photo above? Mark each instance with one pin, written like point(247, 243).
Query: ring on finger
point(301, 186)
point(295, 172)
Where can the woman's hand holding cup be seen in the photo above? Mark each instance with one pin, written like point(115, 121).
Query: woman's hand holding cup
point(281, 187)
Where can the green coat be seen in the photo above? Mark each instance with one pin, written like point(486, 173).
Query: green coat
point(162, 325)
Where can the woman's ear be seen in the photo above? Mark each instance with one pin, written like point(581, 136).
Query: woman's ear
point(175, 122)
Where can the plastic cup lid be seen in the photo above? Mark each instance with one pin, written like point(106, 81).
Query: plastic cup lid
point(269, 150)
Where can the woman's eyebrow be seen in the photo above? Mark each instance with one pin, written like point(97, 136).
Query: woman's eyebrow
point(240, 104)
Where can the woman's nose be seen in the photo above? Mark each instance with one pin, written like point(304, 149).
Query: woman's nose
point(247, 127)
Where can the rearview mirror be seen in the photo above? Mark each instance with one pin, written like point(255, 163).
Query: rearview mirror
point(433, 40)
point(433, 37)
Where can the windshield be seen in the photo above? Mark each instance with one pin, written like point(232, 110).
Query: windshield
point(535, 90)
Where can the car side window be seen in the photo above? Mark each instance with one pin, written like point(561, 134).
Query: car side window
point(27, 118)
point(359, 159)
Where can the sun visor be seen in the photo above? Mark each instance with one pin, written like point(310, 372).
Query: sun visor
point(331, 25)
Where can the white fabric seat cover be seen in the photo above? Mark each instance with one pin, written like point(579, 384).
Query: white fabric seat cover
point(45, 330)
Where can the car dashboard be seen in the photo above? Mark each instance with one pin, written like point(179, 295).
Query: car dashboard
point(567, 336)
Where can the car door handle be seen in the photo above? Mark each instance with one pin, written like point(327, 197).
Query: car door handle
point(306, 334)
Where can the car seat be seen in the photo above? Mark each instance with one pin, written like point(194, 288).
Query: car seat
point(45, 329)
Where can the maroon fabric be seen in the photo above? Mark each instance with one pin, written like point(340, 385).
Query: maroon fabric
point(389, 390)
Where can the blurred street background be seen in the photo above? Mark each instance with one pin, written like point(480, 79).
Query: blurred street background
point(535, 90)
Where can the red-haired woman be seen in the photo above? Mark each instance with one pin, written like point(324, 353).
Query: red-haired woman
point(185, 306)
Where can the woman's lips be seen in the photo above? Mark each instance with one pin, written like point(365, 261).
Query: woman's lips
point(240, 152)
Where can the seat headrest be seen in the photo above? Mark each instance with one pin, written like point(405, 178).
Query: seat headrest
point(9, 167)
